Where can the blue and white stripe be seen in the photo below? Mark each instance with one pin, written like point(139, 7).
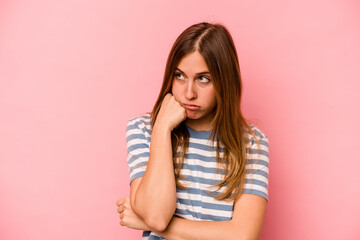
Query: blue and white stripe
point(200, 171)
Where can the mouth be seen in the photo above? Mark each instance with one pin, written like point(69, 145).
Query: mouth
point(191, 107)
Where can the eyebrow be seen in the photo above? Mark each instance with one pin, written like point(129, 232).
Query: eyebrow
point(200, 73)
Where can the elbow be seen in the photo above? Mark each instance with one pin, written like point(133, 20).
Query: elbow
point(157, 223)
point(154, 220)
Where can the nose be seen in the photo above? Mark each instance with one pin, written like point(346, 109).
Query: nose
point(190, 91)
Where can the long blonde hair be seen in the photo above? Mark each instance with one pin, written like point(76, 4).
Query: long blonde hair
point(215, 44)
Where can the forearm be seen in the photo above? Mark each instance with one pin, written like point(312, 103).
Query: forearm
point(179, 229)
point(155, 198)
point(246, 223)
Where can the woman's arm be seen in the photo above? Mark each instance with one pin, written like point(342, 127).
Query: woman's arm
point(153, 196)
point(246, 223)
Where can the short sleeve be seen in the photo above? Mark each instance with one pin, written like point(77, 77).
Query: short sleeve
point(138, 147)
point(257, 166)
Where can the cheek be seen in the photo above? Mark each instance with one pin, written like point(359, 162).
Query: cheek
point(176, 90)
point(211, 97)
point(173, 87)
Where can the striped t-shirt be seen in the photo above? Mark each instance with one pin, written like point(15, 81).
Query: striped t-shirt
point(200, 171)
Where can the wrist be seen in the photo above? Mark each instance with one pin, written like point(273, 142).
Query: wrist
point(161, 127)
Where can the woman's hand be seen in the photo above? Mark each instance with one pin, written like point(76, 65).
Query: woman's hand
point(171, 113)
point(127, 216)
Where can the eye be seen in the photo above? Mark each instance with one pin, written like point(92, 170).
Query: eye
point(179, 76)
point(204, 79)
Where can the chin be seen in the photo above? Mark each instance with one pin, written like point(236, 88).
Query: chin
point(193, 115)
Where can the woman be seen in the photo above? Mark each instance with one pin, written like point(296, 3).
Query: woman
point(197, 169)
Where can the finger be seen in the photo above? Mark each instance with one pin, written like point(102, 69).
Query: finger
point(121, 208)
point(121, 201)
point(127, 205)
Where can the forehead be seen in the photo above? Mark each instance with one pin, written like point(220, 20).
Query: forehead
point(193, 63)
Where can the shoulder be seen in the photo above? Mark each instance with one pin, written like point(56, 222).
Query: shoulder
point(259, 134)
point(138, 129)
point(143, 118)
point(142, 121)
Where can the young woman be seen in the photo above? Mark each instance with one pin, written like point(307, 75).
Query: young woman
point(198, 170)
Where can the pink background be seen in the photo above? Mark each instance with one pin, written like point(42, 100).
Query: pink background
point(72, 72)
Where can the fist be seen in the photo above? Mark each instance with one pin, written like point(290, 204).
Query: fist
point(171, 113)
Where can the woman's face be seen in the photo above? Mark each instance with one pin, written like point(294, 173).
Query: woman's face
point(193, 88)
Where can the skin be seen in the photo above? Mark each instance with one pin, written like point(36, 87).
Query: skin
point(192, 85)
point(156, 190)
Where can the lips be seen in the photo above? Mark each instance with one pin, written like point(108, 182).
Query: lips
point(191, 107)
